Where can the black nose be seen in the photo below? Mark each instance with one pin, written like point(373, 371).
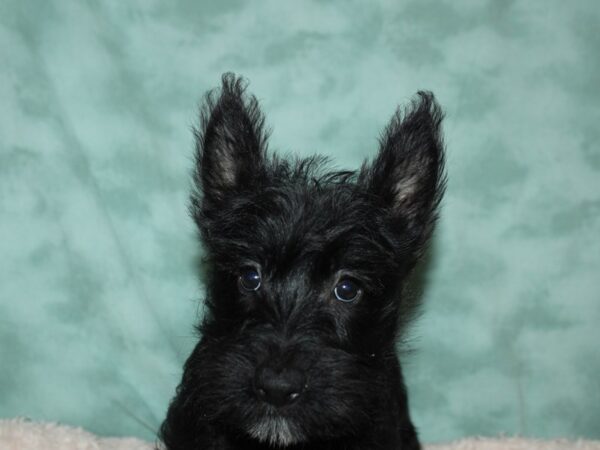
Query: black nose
point(279, 387)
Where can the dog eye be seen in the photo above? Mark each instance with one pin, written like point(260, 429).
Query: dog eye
point(347, 290)
point(249, 280)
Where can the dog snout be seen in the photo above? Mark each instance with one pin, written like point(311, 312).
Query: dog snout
point(279, 387)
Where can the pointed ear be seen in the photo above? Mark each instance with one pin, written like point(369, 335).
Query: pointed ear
point(408, 173)
point(230, 144)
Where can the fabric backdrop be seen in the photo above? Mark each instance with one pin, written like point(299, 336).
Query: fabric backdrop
point(98, 290)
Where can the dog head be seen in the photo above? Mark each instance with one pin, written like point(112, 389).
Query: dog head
point(304, 299)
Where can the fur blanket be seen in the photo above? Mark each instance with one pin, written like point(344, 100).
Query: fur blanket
point(19, 434)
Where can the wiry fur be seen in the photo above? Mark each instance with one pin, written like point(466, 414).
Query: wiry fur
point(304, 227)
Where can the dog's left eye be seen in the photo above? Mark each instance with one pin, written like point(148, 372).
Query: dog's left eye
point(347, 290)
point(249, 280)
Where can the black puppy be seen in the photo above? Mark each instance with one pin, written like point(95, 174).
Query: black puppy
point(304, 288)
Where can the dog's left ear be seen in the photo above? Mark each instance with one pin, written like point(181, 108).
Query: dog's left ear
point(230, 144)
point(408, 173)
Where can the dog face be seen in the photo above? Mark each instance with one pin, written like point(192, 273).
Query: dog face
point(306, 268)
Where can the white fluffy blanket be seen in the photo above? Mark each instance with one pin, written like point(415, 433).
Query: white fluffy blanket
point(19, 434)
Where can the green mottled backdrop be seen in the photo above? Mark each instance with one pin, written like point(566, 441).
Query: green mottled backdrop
point(97, 286)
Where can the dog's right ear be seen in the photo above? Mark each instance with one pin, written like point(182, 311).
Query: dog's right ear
point(230, 144)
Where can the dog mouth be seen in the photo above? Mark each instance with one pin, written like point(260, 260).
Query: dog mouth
point(276, 431)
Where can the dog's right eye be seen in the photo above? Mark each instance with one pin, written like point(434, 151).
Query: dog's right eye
point(249, 280)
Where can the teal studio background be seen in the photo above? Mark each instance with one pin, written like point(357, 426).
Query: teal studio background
point(98, 290)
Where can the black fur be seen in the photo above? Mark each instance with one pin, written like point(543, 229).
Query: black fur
point(289, 365)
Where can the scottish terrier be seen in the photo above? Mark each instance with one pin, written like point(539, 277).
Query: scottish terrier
point(304, 301)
